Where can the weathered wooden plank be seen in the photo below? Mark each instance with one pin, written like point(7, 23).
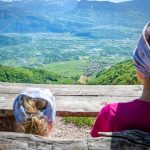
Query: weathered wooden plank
point(17, 141)
point(69, 105)
point(70, 145)
point(93, 90)
point(109, 141)
point(73, 100)
point(6, 112)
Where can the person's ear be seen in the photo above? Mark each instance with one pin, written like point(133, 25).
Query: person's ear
point(139, 76)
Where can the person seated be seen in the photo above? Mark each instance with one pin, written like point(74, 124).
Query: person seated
point(35, 110)
point(134, 114)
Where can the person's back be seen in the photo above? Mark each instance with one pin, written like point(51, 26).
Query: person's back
point(134, 114)
point(122, 116)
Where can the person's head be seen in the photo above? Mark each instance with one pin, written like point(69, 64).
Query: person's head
point(141, 56)
point(34, 110)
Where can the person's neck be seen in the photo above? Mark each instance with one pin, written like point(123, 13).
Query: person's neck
point(146, 93)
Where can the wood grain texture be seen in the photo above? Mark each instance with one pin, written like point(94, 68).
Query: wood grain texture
point(126, 140)
point(72, 104)
point(80, 90)
point(73, 100)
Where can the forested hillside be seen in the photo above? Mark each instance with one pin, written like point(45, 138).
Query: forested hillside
point(29, 75)
point(122, 73)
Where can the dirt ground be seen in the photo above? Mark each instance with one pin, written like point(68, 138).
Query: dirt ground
point(69, 131)
point(60, 130)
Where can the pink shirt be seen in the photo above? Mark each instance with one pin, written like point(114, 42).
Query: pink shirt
point(123, 116)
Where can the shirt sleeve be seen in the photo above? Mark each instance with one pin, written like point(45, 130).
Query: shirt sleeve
point(102, 123)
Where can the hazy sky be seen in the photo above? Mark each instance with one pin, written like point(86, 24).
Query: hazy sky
point(115, 1)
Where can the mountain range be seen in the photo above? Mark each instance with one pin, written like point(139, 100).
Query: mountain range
point(70, 15)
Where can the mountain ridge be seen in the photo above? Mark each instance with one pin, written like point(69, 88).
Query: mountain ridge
point(43, 16)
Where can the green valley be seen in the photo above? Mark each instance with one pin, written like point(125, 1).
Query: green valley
point(73, 68)
point(121, 73)
point(65, 53)
point(70, 37)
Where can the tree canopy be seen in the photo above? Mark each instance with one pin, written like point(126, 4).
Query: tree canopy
point(121, 73)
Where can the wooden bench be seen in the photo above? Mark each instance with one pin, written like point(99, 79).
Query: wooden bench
point(73, 100)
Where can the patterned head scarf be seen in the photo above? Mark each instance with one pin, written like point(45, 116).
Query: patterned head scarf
point(141, 55)
point(35, 93)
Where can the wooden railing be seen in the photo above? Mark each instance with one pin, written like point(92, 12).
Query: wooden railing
point(73, 100)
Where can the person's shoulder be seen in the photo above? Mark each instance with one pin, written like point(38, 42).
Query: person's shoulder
point(111, 106)
point(108, 108)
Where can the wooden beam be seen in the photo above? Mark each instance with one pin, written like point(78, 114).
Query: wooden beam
point(77, 90)
point(6, 113)
point(125, 140)
point(73, 100)
point(69, 105)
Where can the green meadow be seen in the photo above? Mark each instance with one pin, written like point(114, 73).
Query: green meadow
point(73, 68)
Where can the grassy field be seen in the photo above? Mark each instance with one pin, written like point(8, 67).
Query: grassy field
point(80, 121)
point(73, 68)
